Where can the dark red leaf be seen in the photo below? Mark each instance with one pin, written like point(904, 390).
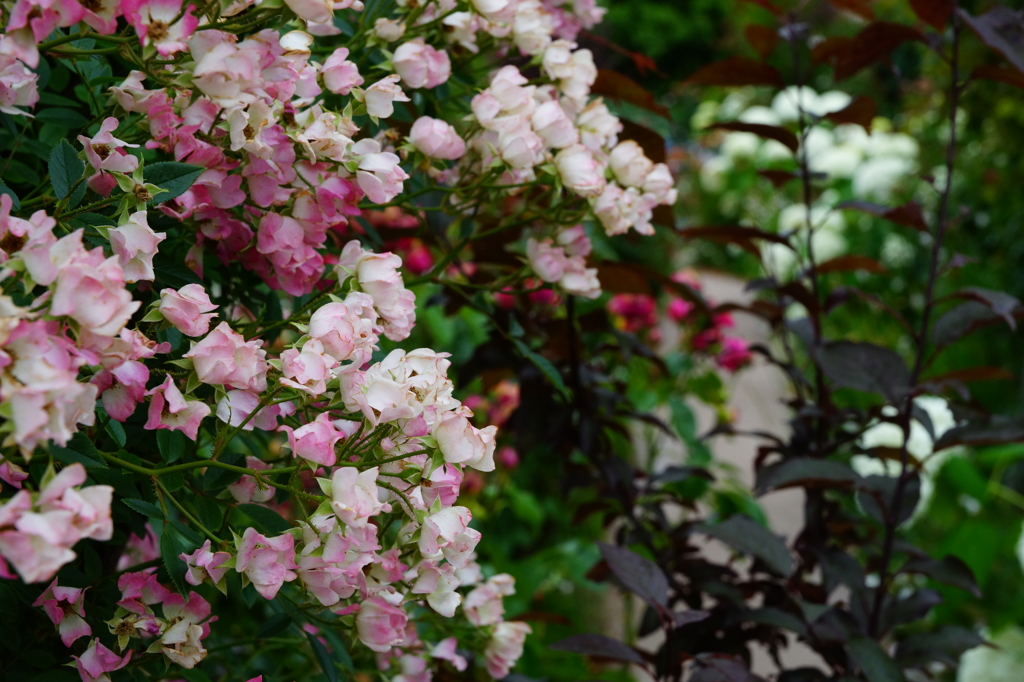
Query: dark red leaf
point(949, 570)
point(762, 38)
point(907, 215)
point(861, 111)
point(861, 8)
point(737, 71)
point(1001, 29)
point(731, 233)
point(934, 12)
point(865, 367)
point(651, 142)
point(851, 263)
point(875, 43)
point(623, 278)
point(618, 86)
point(778, 178)
point(637, 574)
point(1001, 74)
point(776, 133)
point(972, 374)
point(771, 7)
point(999, 302)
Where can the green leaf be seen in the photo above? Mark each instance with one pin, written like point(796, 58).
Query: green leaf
point(66, 118)
point(15, 201)
point(211, 514)
point(189, 536)
point(171, 445)
point(65, 168)
point(116, 432)
point(544, 365)
point(274, 625)
point(323, 658)
point(265, 520)
point(170, 548)
point(145, 508)
point(874, 662)
point(69, 456)
point(173, 177)
point(173, 481)
point(341, 654)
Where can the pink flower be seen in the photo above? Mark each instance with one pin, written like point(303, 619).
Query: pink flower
point(443, 483)
point(579, 171)
point(135, 244)
point(436, 139)
point(90, 288)
point(97, 661)
point(483, 606)
point(205, 563)
point(266, 562)
point(447, 533)
point(354, 496)
point(462, 443)
point(153, 21)
point(618, 210)
point(379, 174)
point(12, 474)
point(679, 309)
point(505, 647)
point(123, 388)
point(508, 457)
point(64, 606)
point(188, 309)
point(235, 407)
point(380, 625)
point(168, 409)
point(551, 122)
point(446, 651)
point(420, 65)
point(629, 164)
point(549, 262)
point(378, 276)
point(139, 550)
point(307, 369)
point(106, 153)
point(17, 86)
point(225, 358)
point(340, 75)
point(346, 331)
point(380, 97)
point(187, 623)
point(320, 11)
point(246, 489)
point(519, 146)
point(141, 590)
point(315, 441)
point(735, 354)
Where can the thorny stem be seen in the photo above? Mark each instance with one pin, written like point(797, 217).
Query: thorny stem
point(942, 223)
point(193, 465)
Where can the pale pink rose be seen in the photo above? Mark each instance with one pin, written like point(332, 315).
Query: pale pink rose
point(379, 174)
point(140, 590)
point(446, 650)
point(380, 625)
point(549, 262)
point(629, 164)
point(505, 647)
point(225, 358)
point(575, 241)
point(580, 171)
point(436, 139)
point(135, 244)
point(619, 209)
point(18, 86)
point(557, 61)
point(139, 550)
point(188, 309)
point(580, 280)
point(599, 128)
point(346, 329)
point(447, 533)
point(321, 11)
point(307, 369)
point(12, 474)
point(34, 558)
point(355, 497)
point(509, 87)
point(381, 96)
point(483, 606)
point(444, 483)
point(659, 186)
point(236, 406)
point(439, 584)
point(462, 443)
point(181, 642)
point(490, 8)
point(246, 489)
point(90, 289)
point(378, 276)
point(582, 77)
point(65, 607)
point(267, 562)
point(340, 75)
point(315, 441)
point(168, 409)
point(421, 66)
point(205, 563)
point(123, 388)
point(518, 145)
point(550, 121)
point(97, 661)
point(154, 22)
point(532, 27)
point(388, 30)
point(105, 153)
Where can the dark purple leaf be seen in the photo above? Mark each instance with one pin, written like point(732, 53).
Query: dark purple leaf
point(997, 430)
point(999, 302)
point(804, 472)
point(934, 12)
point(946, 645)
point(598, 645)
point(865, 367)
point(875, 43)
point(861, 111)
point(1002, 29)
point(721, 668)
point(749, 537)
point(960, 321)
point(876, 495)
point(873, 662)
point(683, 618)
point(908, 215)
point(949, 570)
point(637, 574)
point(737, 71)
